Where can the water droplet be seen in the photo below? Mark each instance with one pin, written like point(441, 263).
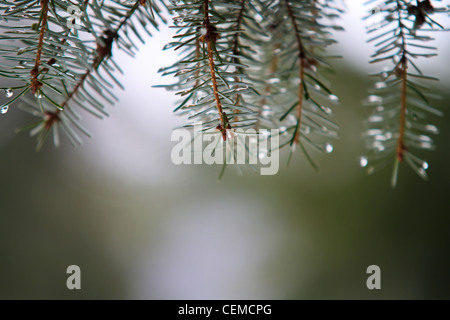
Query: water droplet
point(373, 99)
point(258, 17)
point(230, 135)
point(363, 162)
point(317, 87)
point(425, 165)
point(4, 109)
point(266, 113)
point(291, 120)
point(375, 118)
point(380, 147)
point(203, 31)
point(273, 81)
point(333, 97)
point(9, 93)
point(431, 128)
point(380, 85)
point(38, 95)
point(328, 148)
point(262, 154)
point(425, 138)
point(425, 145)
point(327, 110)
point(384, 75)
point(373, 132)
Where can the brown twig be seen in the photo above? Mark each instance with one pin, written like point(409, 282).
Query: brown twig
point(210, 38)
point(35, 83)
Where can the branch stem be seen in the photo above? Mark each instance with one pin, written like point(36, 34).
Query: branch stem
point(35, 84)
point(302, 58)
point(209, 38)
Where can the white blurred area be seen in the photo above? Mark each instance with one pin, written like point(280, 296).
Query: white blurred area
point(230, 252)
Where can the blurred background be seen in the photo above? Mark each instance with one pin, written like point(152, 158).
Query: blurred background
point(140, 227)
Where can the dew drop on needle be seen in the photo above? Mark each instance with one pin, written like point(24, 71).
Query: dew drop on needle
point(328, 148)
point(4, 109)
point(363, 162)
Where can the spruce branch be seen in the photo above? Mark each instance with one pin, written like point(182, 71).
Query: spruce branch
point(243, 64)
point(296, 90)
point(400, 102)
point(209, 35)
point(210, 73)
point(65, 71)
point(103, 51)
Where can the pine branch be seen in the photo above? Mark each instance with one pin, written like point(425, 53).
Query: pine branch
point(393, 126)
point(72, 71)
point(243, 64)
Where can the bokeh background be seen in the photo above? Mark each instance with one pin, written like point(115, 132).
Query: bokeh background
point(140, 227)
